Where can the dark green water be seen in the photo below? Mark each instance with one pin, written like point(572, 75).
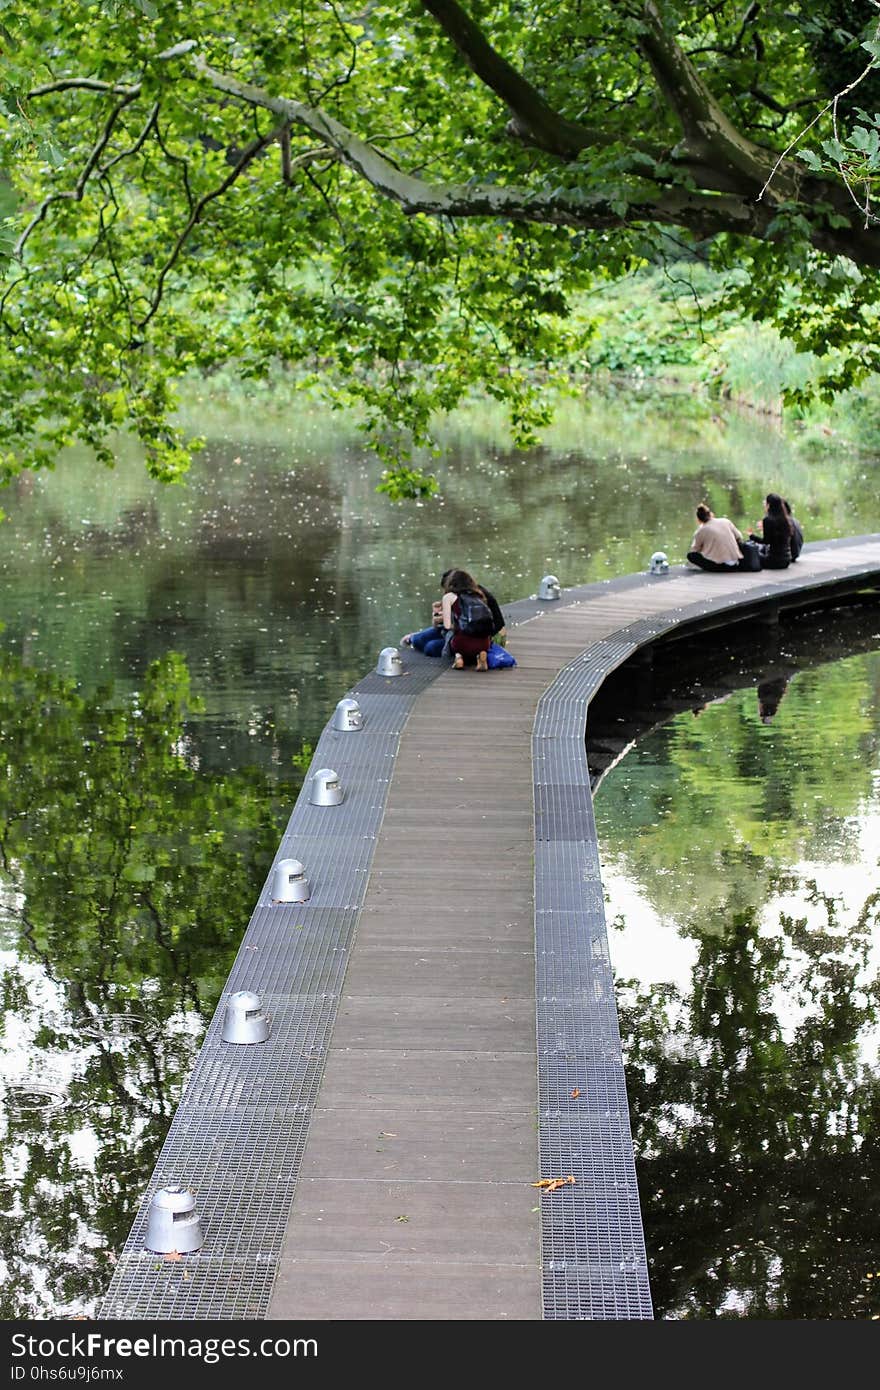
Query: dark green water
point(741, 862)
point(168, 657)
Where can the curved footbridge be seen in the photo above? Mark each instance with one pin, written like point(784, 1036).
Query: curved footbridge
point(443, 1023)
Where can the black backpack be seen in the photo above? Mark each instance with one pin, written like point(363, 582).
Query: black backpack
point(474, 616)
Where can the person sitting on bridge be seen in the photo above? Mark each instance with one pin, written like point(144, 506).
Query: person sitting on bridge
point(432, 640)
point(715, 546)
point(468, 645)
point(777, 534)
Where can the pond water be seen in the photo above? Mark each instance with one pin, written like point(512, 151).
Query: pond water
point(739, 846)
point(167, 660)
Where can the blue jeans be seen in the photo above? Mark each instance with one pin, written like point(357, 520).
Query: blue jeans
point(430, 640)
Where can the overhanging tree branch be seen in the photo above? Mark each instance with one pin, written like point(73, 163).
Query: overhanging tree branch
point(709, 134)
point(706, 214)
point(533, 119)
point(247, 157)
point(567, 208)
point(536, 123)
point(86, 84)
point(725, 170)
point(76, 193)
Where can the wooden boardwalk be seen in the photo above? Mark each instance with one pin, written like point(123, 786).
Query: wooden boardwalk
point(374, 1158)
point(414, 1197)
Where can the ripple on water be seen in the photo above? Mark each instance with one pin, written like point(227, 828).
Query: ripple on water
point(115, 1027)
point(31, 1100)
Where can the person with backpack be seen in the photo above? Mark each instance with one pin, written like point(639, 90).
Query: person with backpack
point(432, 641)
point(466, 611)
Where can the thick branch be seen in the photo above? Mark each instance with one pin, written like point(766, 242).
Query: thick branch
point(87, 84)
point(705, 214)
point(534, 120)
point(708, 133)
point(536, 123)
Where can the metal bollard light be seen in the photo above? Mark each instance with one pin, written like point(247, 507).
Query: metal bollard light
point(289, 882)
point(244, 1020)
point(549, 588)
point(325, 788)
point(173, 1224)
point(659, 563)
point(348, 716)
point(389, 663)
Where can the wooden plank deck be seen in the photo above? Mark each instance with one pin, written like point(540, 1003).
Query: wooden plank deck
point(414, 1199)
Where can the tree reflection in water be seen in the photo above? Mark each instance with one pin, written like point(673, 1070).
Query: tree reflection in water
point(127, 878)
point(739, 846)
point(757, 1154)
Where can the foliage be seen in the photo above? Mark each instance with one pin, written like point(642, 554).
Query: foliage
point(680, 320)
point(402, 484)
point(400, 201)
point(127, 876)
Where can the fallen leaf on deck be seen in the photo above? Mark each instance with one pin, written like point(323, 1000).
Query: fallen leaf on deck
point(552, 1184)
point(576, 1092)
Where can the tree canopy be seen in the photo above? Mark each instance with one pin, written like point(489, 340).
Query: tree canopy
point(397, 202)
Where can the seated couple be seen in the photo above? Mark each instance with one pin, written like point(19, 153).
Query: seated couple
point(718, 544)
point(443, 638)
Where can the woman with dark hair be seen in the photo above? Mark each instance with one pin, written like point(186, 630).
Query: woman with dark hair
point(776, 533)
point(432, 640)
point(797, 531)
point(466, 647)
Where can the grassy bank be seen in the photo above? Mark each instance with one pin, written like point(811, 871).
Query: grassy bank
point(663, 329)
point(669, 325)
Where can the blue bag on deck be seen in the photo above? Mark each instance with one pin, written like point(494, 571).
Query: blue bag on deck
point(498, 657)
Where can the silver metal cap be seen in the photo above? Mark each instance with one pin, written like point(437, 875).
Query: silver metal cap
point(325, 788)
point(244, 1020)
point(549, 588)
point(348, 715)
point(289, 882)
point(659, 563)
point(389, 663)
point(173, 1223)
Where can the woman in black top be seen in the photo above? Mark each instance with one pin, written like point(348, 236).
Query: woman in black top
point(775, 538)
